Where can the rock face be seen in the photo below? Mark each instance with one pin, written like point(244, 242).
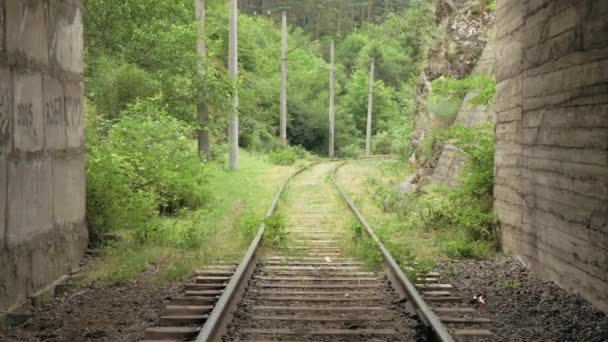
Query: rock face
point(450, 161)
point(42, 199)
point(551, 191)
point(464, 26)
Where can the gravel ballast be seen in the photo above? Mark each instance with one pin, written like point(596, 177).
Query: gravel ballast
point(524, 307)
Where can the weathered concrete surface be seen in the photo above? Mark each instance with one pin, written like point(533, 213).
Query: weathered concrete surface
point(450, 162)
point(551, 191)
point(42, 201)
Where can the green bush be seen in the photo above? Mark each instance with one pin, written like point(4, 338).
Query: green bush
point(111, 203)
point(142, 165)
point(446, 108)
point(275, 233)
point(491, 5)
point(284, 156)
point(449, 88)
point(116, 83)
point(350, 151)
point(462, 216)
point(219, 152)
point(161, 151)
point(382, 143)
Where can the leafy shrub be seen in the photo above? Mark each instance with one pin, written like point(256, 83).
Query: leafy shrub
point(491, 5)
point(350, 151)
point(427, 146)
point(478, 146)
point(300, 152)
point(463, 216)
point(161, 151)
point(382, 143)
point(116, 83)
point(284, 156)
point(446, 108)
point(111, 203)
point(449, 88)
point(275, 233)
point(248, 225)
point(144, 164)
point(219, 152)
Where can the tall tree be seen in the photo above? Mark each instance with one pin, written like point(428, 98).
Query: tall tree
point(332, 107)
point(370, 107)
point(233, 129)
point(204, 144)
point(283, 114)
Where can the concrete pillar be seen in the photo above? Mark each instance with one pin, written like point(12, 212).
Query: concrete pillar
point(552, 139)
point(42, 200)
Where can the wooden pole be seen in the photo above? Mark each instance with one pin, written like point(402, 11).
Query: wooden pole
point(332, 108)
point(283, 114)
point(204, 143)
point(233, 129)
point(370, 106)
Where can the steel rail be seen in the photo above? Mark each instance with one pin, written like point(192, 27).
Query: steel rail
point(218, 318)
point(399, 280)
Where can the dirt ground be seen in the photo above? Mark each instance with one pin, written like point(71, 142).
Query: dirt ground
point(522, 306)
point(100, 314)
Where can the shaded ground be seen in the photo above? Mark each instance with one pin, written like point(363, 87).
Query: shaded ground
point(524, 307)
point(116, 313)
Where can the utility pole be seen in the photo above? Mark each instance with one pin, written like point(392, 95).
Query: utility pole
point(283, 114)
point(370, 106)
point(332, 107)
point(233, 129)
point(204, 144)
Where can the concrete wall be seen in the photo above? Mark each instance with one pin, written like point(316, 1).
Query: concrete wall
point(552, 139)
point(42, 224)
point(451, 162)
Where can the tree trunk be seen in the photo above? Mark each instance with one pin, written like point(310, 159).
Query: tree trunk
point(283, 114)
point(370, 106)
point(233, 129)
point(204, 143)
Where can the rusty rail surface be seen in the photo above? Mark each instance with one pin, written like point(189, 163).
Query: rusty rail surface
point(398, 279)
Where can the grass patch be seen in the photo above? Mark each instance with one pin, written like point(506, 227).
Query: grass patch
point(220, 232)
point(409, 238)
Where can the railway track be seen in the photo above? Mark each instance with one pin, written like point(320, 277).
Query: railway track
point(311, 290)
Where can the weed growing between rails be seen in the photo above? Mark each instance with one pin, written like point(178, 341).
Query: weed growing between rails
point(190, 239)
point(308, 193)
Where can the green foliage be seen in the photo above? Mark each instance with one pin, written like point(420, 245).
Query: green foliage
point(449, 88)
point(283, 157)
point(514, 285)
point(143, 165)
point(491, 5)
point(160, 150)
point(446, 108)
point(275, 233)
point(350, 151)
point(463, 216)
point(478, 146)
point(427, 145)
point(117, 83)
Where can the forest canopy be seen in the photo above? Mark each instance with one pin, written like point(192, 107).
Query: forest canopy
point(145, 51)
